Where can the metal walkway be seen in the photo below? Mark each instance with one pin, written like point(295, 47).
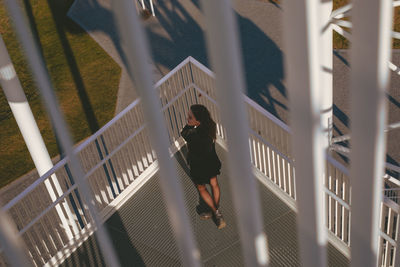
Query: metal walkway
point(142, 235)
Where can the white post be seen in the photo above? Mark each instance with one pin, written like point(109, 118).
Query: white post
point(326, 71)
point(152, 8)
point(302, 65)
point(138, 58)
point(223, 50)
point(29, 129)
point(11, 244)
point(370, 53)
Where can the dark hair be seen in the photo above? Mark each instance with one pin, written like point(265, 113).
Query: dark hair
point(202, 114)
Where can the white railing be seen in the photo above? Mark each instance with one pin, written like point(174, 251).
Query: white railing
point(119, 156)
point(113, 159)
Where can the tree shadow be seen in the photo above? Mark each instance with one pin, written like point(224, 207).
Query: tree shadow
point(262, 58)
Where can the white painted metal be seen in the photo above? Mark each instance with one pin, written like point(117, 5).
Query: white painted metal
point(47, 92)
point(152, 8)
point(30, 132)
point(133, 38)
point(326, 71)
point(371, 47)
point(11, 244)
point(226, 60)
point(301, 32)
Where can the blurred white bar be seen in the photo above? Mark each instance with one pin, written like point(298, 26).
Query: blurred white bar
point(137, 56)
point(326, 71)
point(301, 33)
point(372, 24)
point(222, 41)
point(12, 246)
point(47, 92)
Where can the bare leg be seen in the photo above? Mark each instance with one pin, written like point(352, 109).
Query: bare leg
point(206, 196)
point(215, 190)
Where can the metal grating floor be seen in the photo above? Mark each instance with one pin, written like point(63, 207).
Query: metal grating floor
point(142, 235)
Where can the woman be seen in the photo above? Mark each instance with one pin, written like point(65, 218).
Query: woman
point(200, 134)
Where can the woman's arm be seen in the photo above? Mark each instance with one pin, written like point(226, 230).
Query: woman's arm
point(189, 133)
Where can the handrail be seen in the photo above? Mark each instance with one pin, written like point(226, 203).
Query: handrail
point(62, 162)
point(246, 99)
point(82, 145)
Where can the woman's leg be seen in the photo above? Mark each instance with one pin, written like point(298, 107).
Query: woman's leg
point(215, 190)
point(206, 196)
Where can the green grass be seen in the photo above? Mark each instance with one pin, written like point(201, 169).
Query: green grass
point(84, 76)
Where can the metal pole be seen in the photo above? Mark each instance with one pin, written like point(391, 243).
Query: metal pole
point(152, 8)
point(138, 59)
point(370, 53)
point(326, 70)
point(13, 247)
point(30, 132)
point(47, 92)
point(302, 65)
point(222, 41)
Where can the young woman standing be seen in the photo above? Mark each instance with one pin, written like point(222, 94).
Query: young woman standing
point(200, 135)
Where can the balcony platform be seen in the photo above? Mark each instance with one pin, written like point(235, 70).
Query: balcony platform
point(142, 235)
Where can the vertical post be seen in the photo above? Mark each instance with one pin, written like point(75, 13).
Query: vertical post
point(138, 58)
point(302, 65)
point(47, 92)
point(370, 53)
point(30, 132)
point(223, 43)
point(152, 8)
point(326, 71)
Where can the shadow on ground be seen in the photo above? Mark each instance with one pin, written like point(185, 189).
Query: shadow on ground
point(262, 58)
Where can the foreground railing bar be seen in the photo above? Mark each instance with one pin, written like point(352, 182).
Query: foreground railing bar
point(47, 92)
point(138, 57)
point(302, 40)
point(223, 48)
point(12, 245)
point(370, 78)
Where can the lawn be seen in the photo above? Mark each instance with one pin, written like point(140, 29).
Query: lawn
point(85, 79)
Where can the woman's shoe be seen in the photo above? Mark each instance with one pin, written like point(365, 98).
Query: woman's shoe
point(205, 215)
point(220, 220)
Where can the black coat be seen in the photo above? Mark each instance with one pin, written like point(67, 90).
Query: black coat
point(202, 157)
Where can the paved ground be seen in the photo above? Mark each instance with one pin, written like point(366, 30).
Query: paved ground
point(142, 234)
